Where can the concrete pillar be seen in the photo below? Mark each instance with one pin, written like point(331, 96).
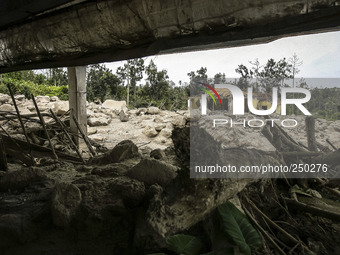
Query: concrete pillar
point(77, 98)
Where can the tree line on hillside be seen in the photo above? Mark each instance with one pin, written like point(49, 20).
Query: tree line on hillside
point(143, 85)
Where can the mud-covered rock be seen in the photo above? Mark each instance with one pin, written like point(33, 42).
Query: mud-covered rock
point(157, 154)
point(65, 201)
point(151, 171)
point(19, 179)
point(132, 191)
point(14, 230)
point(122, 151)
point(111, 170)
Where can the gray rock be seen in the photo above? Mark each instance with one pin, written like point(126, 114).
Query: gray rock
point(165, 133)
point(94, 122)
point(141, 111)
point(4, 99)
point(123, 116)
point(7, 108)
point(150, 131)
point(178, 120)
point(151, 171)
point(159, 127)
point(19, 98)
point(42, 99)
point(60, 107)
point(153, 110)
point(65, 201)
point(54, 99)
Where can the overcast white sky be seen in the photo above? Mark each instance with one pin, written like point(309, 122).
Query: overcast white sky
point(320, 54)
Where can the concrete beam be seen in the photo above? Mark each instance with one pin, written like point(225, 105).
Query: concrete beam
point(77, 98)
point(110, 30)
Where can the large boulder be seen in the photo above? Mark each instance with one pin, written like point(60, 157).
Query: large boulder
point(65, 201)
point(151, 171)
point(60, 107)
point(114, 105)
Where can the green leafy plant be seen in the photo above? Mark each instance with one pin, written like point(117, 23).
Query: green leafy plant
point(238, 229)
point(184, 244)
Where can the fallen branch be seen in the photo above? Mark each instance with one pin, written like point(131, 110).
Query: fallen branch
point(312, 209)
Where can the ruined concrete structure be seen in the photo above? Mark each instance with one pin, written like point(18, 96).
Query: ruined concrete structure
point(41, 34)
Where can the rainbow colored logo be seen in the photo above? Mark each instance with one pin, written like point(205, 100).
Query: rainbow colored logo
point(209, 93)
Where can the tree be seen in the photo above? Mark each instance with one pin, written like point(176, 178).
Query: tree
point(101, 82)
point(158, 82)
point(272, 74)
point(295, 62)
point(57, 77)
point(132, 72)
point(219, 78)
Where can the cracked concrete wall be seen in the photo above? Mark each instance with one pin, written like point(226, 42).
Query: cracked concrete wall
point(112, 30)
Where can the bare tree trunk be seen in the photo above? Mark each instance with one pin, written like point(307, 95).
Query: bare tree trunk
point(310, 129)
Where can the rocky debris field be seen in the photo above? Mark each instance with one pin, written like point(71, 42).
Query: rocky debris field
point(137, 194)
point(108, 123)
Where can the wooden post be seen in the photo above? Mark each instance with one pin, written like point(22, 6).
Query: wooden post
point(21, 123)
point(67, 134)
point(77, 99)
point(42, 121)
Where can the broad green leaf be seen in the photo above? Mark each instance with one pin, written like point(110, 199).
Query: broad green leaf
point(238, 229)
point(184, 244)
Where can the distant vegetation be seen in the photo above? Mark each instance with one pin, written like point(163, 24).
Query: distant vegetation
point(144, 85)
